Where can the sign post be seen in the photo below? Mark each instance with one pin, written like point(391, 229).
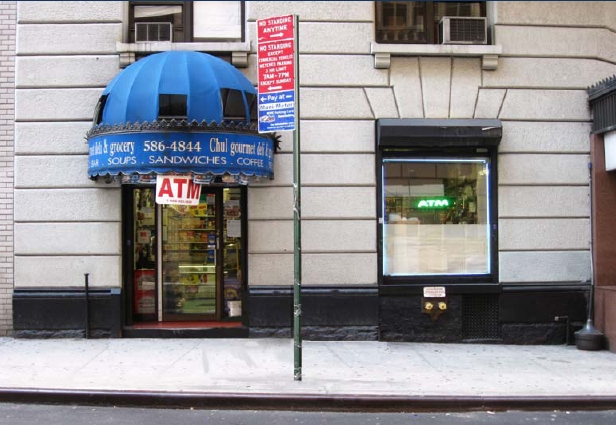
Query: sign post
point(278, 110)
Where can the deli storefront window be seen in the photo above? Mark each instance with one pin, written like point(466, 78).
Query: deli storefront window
point(436, 217)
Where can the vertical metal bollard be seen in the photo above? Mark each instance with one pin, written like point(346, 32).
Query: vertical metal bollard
point(87, 306)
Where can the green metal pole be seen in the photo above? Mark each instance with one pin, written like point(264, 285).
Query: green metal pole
point(297, 222)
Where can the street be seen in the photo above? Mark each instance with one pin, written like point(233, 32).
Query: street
point(32, 414)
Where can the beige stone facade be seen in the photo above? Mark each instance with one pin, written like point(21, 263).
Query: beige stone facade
point(547, 53)
point(7, 105)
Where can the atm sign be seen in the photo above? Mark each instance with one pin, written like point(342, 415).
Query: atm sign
point(177, 190)
point(433, 203)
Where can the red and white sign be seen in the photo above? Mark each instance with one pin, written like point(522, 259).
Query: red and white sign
point(276, 48)
point(434, 292)
point(177, 190)
point(144, 236)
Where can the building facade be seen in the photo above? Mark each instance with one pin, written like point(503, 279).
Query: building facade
point(445, 186)
point(8, 12)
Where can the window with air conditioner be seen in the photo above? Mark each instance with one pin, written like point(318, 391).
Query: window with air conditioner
point(157, 22)
point(186, 21)
point(415, 22)
point(462, 30)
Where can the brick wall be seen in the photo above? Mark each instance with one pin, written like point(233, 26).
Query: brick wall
point(7, 115)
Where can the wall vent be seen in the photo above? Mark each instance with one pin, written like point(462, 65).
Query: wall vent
point(461, 30)
point(480, 316)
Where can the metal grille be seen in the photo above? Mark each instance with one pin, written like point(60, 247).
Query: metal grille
point(467, 30)
point(604, 113)
point(480, 317)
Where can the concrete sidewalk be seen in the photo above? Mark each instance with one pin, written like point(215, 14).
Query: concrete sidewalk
point(258, 373)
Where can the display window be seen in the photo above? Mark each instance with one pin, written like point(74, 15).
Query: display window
point(184, 262)
point(436, 216)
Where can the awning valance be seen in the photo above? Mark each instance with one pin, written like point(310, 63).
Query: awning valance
point(197, 149)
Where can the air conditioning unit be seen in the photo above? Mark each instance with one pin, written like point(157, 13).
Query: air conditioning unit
point(461, 30)
point(153, 31)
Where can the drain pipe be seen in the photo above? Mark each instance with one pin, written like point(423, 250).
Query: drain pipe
point(87, 306)
point(589, 338)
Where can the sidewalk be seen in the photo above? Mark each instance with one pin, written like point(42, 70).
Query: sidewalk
point(258, 373)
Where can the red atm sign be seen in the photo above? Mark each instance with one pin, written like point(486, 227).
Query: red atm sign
point(276, 47)
point(177, 190)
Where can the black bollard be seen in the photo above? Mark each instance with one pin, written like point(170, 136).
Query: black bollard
point(87, 305)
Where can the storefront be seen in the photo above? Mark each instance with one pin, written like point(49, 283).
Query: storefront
point(438, 255)
point(444, 186)
point(175, 130)
point(439, 233)
point(186, 262)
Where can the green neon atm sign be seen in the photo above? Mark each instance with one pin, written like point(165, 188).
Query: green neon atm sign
point(433, 203)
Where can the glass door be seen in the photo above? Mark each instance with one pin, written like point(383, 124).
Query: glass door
point(233, 253)
point(191, 250)
point(184, 263)
point(142, 255)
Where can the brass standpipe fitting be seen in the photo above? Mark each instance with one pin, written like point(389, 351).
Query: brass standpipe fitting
point(434, 307)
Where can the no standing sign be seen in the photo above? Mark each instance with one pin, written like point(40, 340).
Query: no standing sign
point(276, 60)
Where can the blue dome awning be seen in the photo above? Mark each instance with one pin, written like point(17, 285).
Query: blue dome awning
point(133, 95)
point(214, 132)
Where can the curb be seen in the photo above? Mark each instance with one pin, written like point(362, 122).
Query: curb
point(303, 402)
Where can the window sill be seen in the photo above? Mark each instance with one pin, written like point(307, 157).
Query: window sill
point(239, 50)
point(383, 52)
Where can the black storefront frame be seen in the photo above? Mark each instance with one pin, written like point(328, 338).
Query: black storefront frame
point(128, 260)
point(439, 138)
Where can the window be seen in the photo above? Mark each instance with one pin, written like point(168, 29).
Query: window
point(186, 21)
point(417, 22)
point(150, 21)
point(437, 216)
point(252, 105)
point(234, 106)
point(100, 108)
point(217, 20)
point(172, 106)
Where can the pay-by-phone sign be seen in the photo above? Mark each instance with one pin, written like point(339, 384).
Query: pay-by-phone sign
point(276, 62)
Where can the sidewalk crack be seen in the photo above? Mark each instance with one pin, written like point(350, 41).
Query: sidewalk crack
point(86, 364)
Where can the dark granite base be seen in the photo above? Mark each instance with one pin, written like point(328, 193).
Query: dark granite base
point(320, 333)
point(61, 313)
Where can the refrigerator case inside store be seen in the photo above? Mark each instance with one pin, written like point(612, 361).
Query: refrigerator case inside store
point(232, 268)
point(145, 291)
point(189, 260)
point(144, 284)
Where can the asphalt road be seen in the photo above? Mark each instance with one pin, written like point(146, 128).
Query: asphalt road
point(33, 414)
